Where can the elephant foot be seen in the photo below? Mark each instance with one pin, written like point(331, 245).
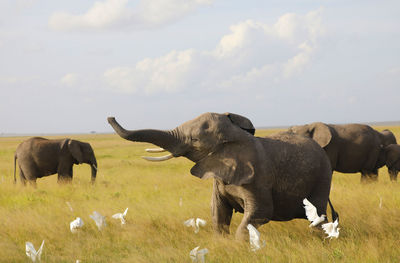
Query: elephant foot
point(369, 178)
point(221, 229)
point(242, 234)
point(393, 176)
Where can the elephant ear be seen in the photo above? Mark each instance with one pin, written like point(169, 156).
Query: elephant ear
point(232, 163)
point(242, 122)
point(321, 133)
point(392, 155)
point(75, 150)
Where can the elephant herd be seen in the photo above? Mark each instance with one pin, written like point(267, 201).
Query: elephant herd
point(265, 178)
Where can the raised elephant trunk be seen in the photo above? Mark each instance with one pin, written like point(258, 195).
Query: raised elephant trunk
point(165, 139)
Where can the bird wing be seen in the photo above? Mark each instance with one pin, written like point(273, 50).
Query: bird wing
point(193, 253)
point(126, 211)
point(328, 228)
point(202, 251)
point(336, 223)
point(254, 238)
point(253, 233)
point(311, 210)
point(97, 217)
point(117, 216)
point(39, 252)
point(201, 222)
point(29, 249)
point(189, 222)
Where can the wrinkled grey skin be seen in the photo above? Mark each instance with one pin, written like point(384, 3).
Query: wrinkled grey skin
point(39, 157)
point(351, 148)
point(392, 160)
point(264, 178)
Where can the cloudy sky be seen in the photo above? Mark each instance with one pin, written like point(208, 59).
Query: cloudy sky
point(67, 65)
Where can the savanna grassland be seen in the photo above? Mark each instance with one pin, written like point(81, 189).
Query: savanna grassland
point(155, 232)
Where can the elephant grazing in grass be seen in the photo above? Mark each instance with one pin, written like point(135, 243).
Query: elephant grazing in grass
point(264, 178)
point(38, 157)
point(351, 148)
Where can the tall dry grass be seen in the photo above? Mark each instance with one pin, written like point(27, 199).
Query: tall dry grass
point(154, 231)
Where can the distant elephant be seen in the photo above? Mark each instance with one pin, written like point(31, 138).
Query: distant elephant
point(264, 178)
point(351, 148)
point(392, 160)
point(39, 157)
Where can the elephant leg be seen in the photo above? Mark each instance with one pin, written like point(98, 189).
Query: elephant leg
point(32, 182)
point(221, 212)
point(393, 175)
point(22, 177)
point(368, 176)
point(65, 174)
point(30, 173)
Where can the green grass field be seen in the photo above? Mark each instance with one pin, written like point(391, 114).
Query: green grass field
point(155, 232)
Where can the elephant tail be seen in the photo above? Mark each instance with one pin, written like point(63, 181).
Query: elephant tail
point(335, 215)
point(15, 165)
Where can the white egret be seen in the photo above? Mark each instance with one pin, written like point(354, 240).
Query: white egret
point(121, 216)
point(31, 251)
point(98, 219)
point(195, 223)
point(255, 242)
point(331, 229)
point(76, 224)
point(198, 255)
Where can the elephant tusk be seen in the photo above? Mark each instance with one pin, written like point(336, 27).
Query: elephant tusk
point(155, 150)
point(94, 166)
point(158, 159)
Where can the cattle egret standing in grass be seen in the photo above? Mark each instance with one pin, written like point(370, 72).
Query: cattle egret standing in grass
point(32, 253)
point(76, 224)
point(180, 201)
point(195, 223)
point(255, 242)
point(198, 255)
point(311, 213)
point(121, 216)
point(331, 229)
point(99, 219)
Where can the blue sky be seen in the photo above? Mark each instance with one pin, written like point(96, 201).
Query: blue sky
point(67, 65)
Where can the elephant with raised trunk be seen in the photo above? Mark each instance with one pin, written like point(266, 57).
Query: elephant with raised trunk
point(351, 148)
point(264, 178)
point(38, 157)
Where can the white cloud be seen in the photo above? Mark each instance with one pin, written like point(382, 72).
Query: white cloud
point(116, 13)
point(253, 55)
point(69, 79)
point(168, 73)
